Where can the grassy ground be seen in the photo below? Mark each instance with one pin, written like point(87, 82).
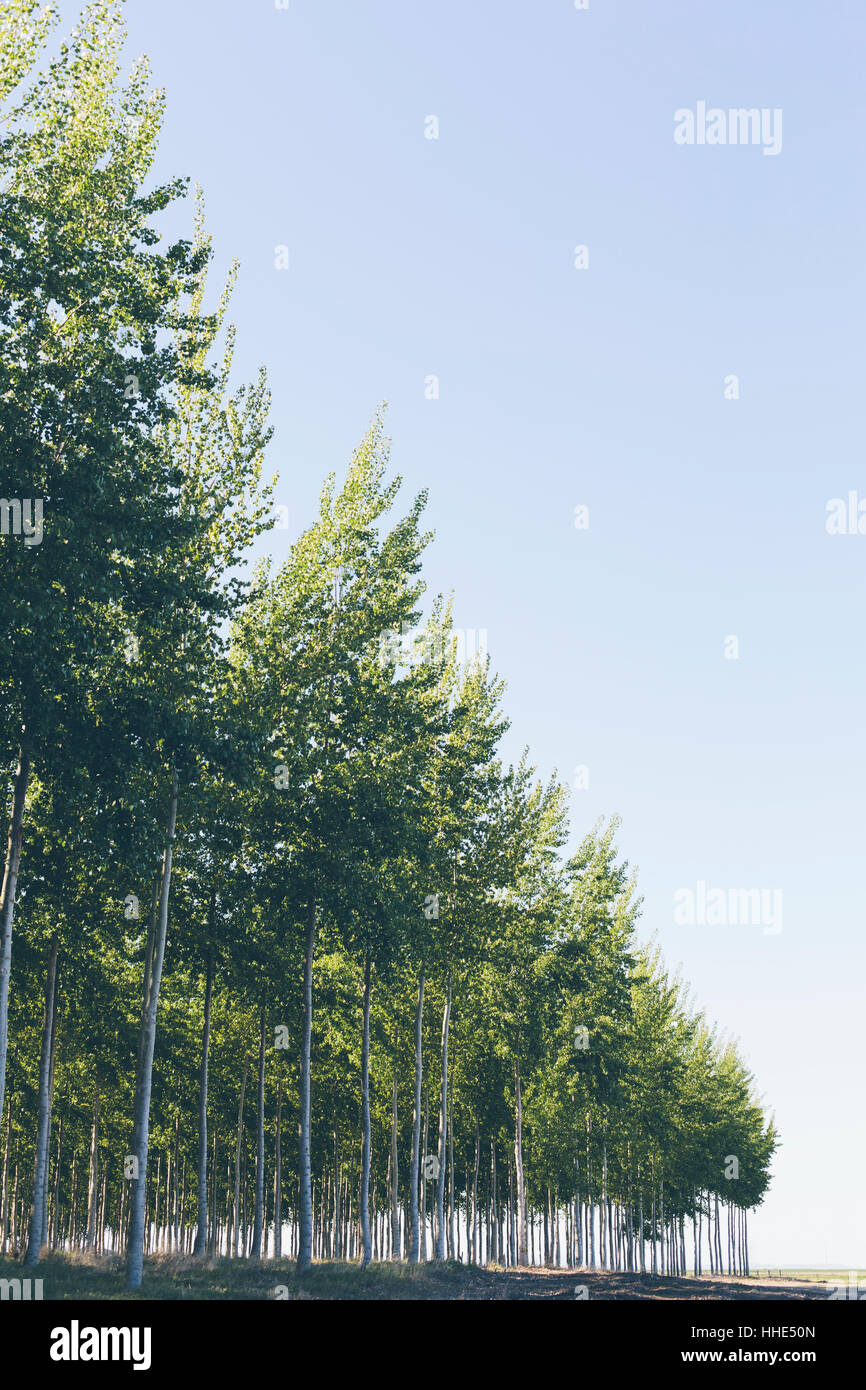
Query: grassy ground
point(178, 1278)
point(815, 1275)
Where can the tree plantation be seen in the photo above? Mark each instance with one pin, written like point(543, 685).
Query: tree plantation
point(294, 963)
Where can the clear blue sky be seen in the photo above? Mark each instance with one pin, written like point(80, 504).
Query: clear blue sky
point(604, 387)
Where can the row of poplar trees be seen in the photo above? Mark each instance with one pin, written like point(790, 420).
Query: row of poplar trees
point(300, 967)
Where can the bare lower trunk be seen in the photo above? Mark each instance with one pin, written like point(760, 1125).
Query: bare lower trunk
point(40, 1175)
point(396, 1250)
point(518, 1166)
point(443, 1121)
point(259, 1215)
point(415, 1239)
point(640, 1218)
point(605, 1213)
point(147, 1039)
point(424, 1184)
point(305, 1181)
point(473, 1256)
point(493, 1241)
point(746, 1269)
point(7, 906)
point(4, 1196)
point(278, 1175)
point(93, 1176)
point(201, 1233)
point(452, 1230)
point(367, 1250)
point(236, 1208)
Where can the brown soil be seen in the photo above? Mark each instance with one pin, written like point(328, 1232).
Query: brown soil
point(555, 1284)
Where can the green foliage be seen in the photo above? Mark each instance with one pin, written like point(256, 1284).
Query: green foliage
point(314, 771)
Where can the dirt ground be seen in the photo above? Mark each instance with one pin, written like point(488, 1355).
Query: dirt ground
point(559, 1285)
point(181, 1278)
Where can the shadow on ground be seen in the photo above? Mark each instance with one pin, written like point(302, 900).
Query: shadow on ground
point(181, 1278)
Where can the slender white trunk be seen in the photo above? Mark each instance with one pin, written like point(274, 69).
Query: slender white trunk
point(367, 1249)
point(278, 1174)
point(473, 1256)
point(7, 906)
point(590, 1215)
point(496, 1254)
point(424, 1184)
point(452, 1231)
point(201, 1233)
point(305, 1179)
point(147, 1040)
point(396, 1246)
point(414, 1216)
point(605, 1214)
point(4, 1196)
point(236, 1209)
point(642, 1248)
point(259, 1215)
point(40, 1174)
point(746, 1269)
point(443, 1121)
point(518, 1165)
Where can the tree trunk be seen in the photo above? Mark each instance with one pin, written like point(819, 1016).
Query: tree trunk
point(472, 1251)
point(305, 1194)
point(443, 1121)
point(14, 1241)
point(102, 1204)
point(51, 1062)
point(518, 1165)
point(452, 1232)
point(214, 1214)
point(415, 1237)
point(200, 1248)
point(424, 1184)
point(180, 1214)
point(396, 1249)
point(4, 1196)
point(7, 906)
point(278, 1174)
point(259, 1216)
point(366, 1253)
point(604, 1234)
point(494, 1253)
point(338, 1201)
point(72, 1227)
point(235, 1228)
point(40, 1175)
point(147, 1039)
point(746, 1270)
point(93, 1176)
point(640, 1218)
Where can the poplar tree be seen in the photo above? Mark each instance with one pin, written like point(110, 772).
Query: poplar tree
point(84, 300)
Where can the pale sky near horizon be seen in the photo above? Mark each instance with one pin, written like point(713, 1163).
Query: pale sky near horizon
point(602, 387)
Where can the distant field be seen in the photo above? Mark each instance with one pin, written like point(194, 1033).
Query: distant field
point(173, 1278)
point(819, 1275)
